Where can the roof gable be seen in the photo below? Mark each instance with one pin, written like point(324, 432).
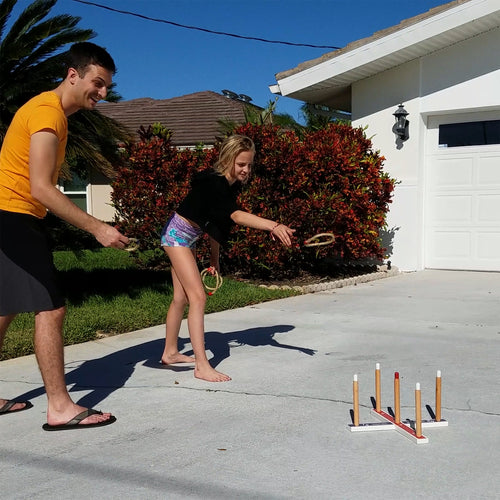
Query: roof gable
point(328, 79)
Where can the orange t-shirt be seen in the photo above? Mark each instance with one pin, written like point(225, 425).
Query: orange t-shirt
point(42, 112)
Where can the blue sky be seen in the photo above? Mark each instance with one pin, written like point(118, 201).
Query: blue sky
point(158, 60)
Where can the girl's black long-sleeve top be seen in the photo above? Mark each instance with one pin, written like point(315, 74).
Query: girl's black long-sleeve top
point(210, 203)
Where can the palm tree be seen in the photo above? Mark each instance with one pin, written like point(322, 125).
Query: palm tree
point(261, 116)
point(318, 117)
point(269, 116)
point(32, 61)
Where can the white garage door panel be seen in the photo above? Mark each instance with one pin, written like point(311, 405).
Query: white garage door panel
point(488, 209)
point(462, 221)
point(489, 246)
point(451, 173)
point(447, 209)
point(488, 174)
point(451, 245)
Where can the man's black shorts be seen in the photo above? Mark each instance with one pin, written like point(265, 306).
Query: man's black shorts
point(28, 280)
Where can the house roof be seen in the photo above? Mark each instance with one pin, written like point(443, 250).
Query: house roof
point(193, 118)
point(327, 80)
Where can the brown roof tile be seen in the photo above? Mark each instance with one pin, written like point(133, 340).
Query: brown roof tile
point(193, 118)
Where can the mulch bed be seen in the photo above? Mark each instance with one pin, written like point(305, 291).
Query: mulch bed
point(304, 278)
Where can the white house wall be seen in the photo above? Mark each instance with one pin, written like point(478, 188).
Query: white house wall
point(99, 198)
point(464, 77)
point(374, 102)
point(101, 202)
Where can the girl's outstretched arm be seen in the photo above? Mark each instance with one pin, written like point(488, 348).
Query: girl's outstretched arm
point(278, 230)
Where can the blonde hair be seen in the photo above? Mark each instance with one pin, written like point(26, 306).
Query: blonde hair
point(230, 149)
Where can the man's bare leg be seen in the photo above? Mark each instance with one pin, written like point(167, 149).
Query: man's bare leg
point(50, 356)
point(5, 322)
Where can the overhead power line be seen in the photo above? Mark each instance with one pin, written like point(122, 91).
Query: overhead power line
point(204, 29)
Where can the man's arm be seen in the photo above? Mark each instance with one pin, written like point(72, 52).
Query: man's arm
point(43, 158)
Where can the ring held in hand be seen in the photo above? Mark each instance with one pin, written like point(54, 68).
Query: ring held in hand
point(132, 245)
point(212, 273)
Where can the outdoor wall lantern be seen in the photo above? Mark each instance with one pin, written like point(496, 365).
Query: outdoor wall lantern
point(401, 127)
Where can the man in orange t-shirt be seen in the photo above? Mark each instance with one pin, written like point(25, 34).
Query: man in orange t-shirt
point(30, 160)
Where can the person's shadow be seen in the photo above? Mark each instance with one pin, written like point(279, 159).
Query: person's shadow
point(220, 344)
point(102, 376)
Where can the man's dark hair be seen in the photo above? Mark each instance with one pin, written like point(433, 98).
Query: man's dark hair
point(83, 54)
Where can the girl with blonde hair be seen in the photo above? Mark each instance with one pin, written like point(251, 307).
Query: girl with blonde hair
point(209, 207)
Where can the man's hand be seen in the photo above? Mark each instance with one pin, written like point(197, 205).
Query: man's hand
point(108, 236)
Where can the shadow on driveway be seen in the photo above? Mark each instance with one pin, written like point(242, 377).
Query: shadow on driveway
point(104, 375)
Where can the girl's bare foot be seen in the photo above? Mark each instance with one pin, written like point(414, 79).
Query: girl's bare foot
point(210, 375)
point(176, 358)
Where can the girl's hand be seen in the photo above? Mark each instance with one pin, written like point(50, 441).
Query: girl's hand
point(283, 233)
point(214, 267)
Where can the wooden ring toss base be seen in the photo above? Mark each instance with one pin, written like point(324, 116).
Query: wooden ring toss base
point(410, 428)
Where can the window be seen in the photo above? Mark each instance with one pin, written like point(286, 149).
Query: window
point(482, 133)
point(76, 191)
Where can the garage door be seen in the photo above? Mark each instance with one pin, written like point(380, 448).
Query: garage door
point(462, 209)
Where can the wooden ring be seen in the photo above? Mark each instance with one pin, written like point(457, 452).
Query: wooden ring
point(212, 272)
point(315, 241)
point(132, 245)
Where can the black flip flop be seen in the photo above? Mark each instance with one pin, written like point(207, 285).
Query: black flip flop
point(6, 408)
point(74, 423)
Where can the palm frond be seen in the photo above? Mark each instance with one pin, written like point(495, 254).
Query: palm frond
point(51, 46)
point(93, 141)
point(6, 7)
point(32, 60)
point(30, 16)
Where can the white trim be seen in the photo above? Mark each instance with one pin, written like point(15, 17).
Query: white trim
point(87, 192)
point(418, 39)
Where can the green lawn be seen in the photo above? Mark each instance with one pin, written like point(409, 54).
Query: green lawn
point(108, 294)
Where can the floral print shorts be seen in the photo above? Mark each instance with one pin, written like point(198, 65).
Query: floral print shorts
point(177, 232)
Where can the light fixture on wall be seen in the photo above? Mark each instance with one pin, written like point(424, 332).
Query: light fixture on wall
point(401, 127)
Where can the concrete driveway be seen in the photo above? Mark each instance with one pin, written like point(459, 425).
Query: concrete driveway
point(279, 429)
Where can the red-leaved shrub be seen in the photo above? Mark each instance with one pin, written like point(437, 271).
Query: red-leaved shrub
point(154, 181)
point(331, 180)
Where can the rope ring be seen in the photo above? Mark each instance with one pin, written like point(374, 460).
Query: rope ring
point(132, 245)
point(212, 272)
point(315, 241)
